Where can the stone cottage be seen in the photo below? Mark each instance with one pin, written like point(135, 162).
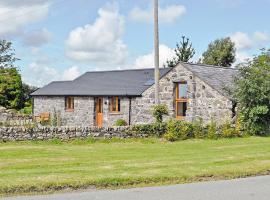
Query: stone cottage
point(100, 98)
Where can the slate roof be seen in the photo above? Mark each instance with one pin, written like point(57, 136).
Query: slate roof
point(132, 82)
point(104, 83)
point(219, 78)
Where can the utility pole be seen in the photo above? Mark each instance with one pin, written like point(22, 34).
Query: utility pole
point(156, 41)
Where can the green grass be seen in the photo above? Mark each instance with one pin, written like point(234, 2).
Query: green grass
point(55, 165)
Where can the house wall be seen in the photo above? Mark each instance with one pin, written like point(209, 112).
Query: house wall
point(84, 111)
point(206, 103)
point(83, 114)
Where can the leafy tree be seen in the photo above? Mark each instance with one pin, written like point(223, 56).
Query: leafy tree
point(7, 55)
point(221, 52)
point(183, 52)
point(27, 90)
point(10, 79)
point(253, 94)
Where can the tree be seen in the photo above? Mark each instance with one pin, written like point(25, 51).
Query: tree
point(253, 94)
point(10, 79)
point(7, 55)
point(221, 52)
point(183, 52)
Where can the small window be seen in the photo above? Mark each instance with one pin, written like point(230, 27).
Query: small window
point(182, 90)
point(181, 99)
point(69, 103)
point(115, 104)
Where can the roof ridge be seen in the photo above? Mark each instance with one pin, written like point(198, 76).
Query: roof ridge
point(205, 65)
point(121, 70)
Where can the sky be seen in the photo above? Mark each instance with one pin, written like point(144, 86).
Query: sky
point(61, 39)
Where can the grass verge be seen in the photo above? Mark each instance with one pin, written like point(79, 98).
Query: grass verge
point(38, 167)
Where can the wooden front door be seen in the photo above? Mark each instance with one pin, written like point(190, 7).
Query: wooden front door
point(99, 112)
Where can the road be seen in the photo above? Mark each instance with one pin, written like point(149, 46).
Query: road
point(239, 189)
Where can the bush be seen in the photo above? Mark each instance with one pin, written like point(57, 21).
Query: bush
point(253, 94)
point(159, 111)
point(178, 130)
point(212, 130)
point(157, 129)
point(120, 122)
point(198, 129)
point(227, 131)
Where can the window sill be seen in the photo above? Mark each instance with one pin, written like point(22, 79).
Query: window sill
point(180, 117)
point(69, 110)
point(115, 113)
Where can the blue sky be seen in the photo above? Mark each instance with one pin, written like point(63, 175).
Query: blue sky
point(61, 39)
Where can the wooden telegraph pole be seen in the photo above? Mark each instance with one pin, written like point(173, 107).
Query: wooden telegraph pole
point(156, 41)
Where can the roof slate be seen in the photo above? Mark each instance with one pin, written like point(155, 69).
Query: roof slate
point(219, 78)
point(104, 83)
point(132, 82)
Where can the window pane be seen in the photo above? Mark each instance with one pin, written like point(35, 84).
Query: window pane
point(113, 104)
point(182, 90)
point(119, 105)
point(181, 108)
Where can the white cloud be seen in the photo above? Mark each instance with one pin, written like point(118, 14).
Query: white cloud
point(245, 42)
point(71, 73)
point(37, 38)
point(241, 57)
point(169, 14)
point(241, 40)
point(261, 37)
point(147, 60)
point(101, 41)
point(16, 14)
point(38, 74)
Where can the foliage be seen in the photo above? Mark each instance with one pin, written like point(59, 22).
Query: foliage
point(7, 55)
point(27, 110)
point(212, 130)
point(159, 111)
point(10, 79)
point(27, 90)
point(178, 130)
point(183, 52)
point(221, 52)
point(120, 122)
point(156, 129)
point(253, 94)
point(198, 128)
point(10, 88)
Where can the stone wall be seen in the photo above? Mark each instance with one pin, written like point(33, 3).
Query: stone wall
point(83, 114)
point(64, 133)
point(204, 101)
point(12, 117)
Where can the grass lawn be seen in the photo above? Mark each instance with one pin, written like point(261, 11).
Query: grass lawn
point(49, 166)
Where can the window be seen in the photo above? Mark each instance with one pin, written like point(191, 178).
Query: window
point(69, 103)
point(114, 104)
point(181, 99)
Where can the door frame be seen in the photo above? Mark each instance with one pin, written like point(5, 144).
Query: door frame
point(99, 111)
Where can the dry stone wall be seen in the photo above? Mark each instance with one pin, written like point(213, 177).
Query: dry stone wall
point(64, 133)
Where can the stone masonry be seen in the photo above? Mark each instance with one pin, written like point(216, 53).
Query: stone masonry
point(203, 101)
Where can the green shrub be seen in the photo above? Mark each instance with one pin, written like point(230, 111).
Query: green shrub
point(253, 93)
point(157, 129)
point(198, 129)
point(227, 131)
point(178, 130)
point(159, 111)
point(212, 130)
point(120, 122)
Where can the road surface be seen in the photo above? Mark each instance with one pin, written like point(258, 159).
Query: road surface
point(239, 189)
